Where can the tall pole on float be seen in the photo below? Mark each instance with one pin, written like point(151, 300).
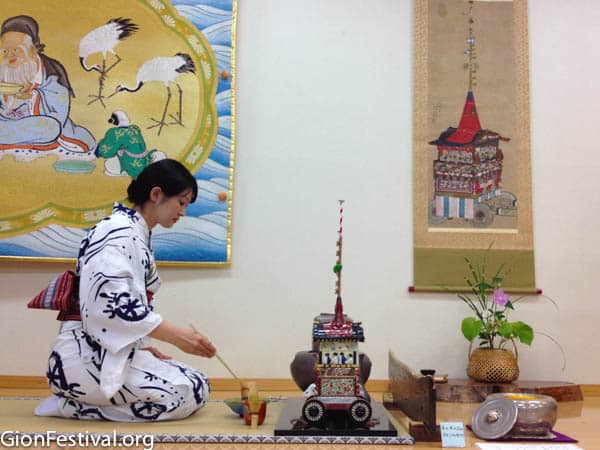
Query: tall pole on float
point(337, 269)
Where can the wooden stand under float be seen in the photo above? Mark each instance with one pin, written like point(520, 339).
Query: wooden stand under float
point(291, 423)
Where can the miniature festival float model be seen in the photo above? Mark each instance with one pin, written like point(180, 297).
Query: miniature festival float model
point(336, 403)
point(337, 388)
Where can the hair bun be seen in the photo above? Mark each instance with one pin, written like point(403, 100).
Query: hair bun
point(169, 175)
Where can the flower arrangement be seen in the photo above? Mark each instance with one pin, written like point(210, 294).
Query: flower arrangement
point(491, 306)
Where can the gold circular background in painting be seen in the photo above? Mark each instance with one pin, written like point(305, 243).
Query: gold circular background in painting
point(35, 195)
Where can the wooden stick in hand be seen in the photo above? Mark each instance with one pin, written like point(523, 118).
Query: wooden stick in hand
point(221, 360)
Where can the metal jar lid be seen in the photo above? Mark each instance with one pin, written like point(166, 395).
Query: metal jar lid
point(494, 418)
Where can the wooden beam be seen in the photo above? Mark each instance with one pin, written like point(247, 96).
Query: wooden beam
point(23, 382)
point(590, 390)
point(217, 384)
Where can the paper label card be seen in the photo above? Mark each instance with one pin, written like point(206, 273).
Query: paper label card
point(453, 434)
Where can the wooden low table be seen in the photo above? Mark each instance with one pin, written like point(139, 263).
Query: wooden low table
point(470, 391)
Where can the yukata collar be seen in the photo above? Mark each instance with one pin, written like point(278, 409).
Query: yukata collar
point(138, 221)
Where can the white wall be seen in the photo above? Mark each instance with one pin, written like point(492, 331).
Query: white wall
point(324, 104)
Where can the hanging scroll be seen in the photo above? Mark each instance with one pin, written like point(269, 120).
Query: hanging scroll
point(472, 167)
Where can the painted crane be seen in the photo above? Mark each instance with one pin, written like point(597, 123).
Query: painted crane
point(103, 40)
point(165, 69)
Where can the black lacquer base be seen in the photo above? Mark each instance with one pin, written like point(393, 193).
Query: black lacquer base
point(290, 423)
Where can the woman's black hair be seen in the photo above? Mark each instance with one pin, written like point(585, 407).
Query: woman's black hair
point(169, 175)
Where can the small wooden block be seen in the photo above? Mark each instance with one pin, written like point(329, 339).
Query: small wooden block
point(418, 431)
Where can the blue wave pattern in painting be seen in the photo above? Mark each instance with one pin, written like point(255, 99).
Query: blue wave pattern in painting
point(54, 241)
point(201, 236)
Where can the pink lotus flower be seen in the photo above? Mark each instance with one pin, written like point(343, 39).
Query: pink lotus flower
point(500, 297)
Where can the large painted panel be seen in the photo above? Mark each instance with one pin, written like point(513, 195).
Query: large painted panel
point(90, 93)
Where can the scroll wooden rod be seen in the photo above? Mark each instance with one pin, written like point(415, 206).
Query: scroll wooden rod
point(452, 290)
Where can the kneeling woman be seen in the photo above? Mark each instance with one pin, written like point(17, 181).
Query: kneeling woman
point(102, 367)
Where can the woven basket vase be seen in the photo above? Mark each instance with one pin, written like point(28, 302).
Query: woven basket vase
point(493, 365)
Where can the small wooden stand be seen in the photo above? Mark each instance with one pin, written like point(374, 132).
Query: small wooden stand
point(412, 396)
point(254, 408)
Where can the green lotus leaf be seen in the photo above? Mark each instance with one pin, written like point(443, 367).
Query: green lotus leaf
point(471, 327)
point(506, 330)
point(523, 331)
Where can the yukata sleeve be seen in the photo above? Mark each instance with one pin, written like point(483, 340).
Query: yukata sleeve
point(116, 312)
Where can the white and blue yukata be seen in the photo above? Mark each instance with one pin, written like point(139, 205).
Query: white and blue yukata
point(97, 368)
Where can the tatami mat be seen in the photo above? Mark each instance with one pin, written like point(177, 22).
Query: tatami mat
point(213, 423)
point(214, 418)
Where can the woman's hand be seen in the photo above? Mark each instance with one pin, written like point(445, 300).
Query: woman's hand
point(156, 352)
point(196, 343)
point(186, 339)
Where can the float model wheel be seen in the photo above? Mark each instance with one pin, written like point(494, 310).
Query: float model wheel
point(433, 219)
point(482, 215)
point(313, 411)
point(506, 204)
point(360, 411)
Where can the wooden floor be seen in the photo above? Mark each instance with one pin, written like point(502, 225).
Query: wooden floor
point(580, 420)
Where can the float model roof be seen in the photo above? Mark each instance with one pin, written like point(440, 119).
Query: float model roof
point(469, 131)
point(338, 328)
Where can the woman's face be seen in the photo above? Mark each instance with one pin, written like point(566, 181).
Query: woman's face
point(170, 209)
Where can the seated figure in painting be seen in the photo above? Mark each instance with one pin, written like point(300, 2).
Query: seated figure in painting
point(36, 97)
point(124, 148)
